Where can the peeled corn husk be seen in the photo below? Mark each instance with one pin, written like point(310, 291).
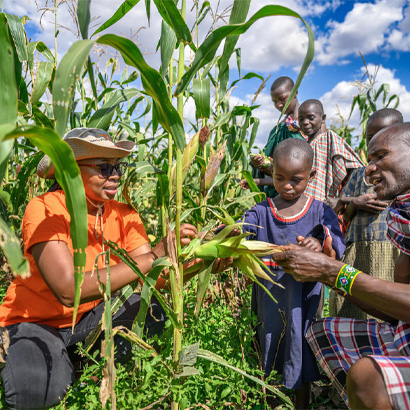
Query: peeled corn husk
point(266, 162)
point(245, 253)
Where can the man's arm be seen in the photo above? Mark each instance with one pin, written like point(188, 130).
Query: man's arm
point(389, 298)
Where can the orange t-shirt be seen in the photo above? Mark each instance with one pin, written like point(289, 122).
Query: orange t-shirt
point(46, 219)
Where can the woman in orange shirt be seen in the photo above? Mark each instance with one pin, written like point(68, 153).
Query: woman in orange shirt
point(37, 311)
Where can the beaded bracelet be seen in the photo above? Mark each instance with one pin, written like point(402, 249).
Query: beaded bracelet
point(345, 278)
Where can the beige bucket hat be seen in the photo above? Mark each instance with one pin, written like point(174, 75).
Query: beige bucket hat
point(88, 143)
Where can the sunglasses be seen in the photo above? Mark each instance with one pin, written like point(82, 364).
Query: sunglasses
point(106, 170)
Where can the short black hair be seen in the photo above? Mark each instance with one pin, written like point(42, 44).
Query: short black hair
point(394, 116)
point(282, 81)
point(398, 132)
point(294, 148)
point(314, 102)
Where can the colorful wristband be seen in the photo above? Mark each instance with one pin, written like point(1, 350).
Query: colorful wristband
point(346, 277)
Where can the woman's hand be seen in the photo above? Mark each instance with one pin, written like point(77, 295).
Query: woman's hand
point(187, 233)
point(306, 265)
point(244, 184)
point(222, 264)
point(309, 242)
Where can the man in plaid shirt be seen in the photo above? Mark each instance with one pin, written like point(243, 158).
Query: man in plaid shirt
point(368, 361)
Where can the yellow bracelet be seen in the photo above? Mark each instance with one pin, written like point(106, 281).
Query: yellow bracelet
point(345, 278)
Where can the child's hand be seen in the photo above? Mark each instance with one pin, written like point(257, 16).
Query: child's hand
point(257, 161)
point(328, 248)
point(309, 242)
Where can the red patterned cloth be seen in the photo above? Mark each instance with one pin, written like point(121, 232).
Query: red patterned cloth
point(333, 157)
point(398, 223)
point(338, 343)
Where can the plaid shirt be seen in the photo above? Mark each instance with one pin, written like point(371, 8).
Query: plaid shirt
point(333, 157)
point(365, 226)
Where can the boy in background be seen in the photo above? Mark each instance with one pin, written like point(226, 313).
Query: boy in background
point(334, 159)
point(280, 92)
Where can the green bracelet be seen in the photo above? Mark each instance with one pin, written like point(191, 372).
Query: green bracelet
point(346, 277)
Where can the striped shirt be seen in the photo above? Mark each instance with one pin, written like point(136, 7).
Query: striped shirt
point(333, 157)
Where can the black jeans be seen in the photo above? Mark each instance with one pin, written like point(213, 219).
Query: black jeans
point(38, 370)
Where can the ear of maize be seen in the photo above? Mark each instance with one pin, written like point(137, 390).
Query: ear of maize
point(251, 268)
point(244, 253)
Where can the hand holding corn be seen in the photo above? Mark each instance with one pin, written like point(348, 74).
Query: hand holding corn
point(260, 161)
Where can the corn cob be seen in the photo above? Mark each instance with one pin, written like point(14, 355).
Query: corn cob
point(244, 253)
point(266, 162)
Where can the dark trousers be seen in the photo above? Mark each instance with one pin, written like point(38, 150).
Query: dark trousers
point(38, 370)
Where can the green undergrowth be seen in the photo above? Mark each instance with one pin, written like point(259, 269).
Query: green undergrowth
point(225, 327)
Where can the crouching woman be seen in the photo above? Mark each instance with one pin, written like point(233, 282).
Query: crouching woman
point(37, 311)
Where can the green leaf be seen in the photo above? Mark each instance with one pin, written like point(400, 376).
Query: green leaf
point(204, 277)
point(238, 60)
point(222, 119)
point(12, 249)
point(187, 371)
point(122, 297)
point(42, 49)
point(68, 176)
point(44, 74)
point(168, 42)
point(83, 15)
point(19, 36)
point(8, 94)
point(212, 357)
point(238, 15)
point(252, 186)
point(163, 191)
point(20, 191)
point(146, 294)
point(148, 8)
point(208, 48)
point(36, 114)
point(118, 15)
point(103, 116)
point(122, 254)
point(188, 355)
point(153, 85)
point(68, 72)
point(171, 15)
point(202, 97)
point(247, 77)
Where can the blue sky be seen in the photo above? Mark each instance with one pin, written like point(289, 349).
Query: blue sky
point(380, 29)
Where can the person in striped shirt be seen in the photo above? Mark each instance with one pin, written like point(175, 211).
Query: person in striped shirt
point(334, 159)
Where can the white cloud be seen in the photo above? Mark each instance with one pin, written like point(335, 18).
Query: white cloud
point(365, 28)
point(342, 96)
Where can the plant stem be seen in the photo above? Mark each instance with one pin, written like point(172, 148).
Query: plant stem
point(179, 274)
point(170, 146)
point(55, 32)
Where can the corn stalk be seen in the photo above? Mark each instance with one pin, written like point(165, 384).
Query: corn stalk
point(177, 291)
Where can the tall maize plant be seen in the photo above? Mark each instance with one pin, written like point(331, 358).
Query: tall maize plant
point(189, 181)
